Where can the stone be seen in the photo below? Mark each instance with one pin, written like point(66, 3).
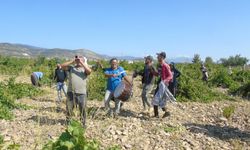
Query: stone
point(223, 119)
point(127, 146)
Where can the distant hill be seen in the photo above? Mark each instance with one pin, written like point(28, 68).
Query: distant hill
point(27, 51)
point(20, 50)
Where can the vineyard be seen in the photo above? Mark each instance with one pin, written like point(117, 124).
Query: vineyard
point(223, 96)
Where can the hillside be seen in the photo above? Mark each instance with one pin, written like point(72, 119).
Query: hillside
point(19, 50)
point(27, 51)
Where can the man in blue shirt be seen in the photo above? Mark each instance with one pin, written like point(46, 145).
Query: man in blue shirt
point(115, 74)
point(36, 77)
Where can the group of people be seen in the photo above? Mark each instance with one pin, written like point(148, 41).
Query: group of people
point(166, 84)
point(77, 72)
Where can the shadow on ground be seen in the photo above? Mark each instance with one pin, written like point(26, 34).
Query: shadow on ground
point(43, 99)
point(216, 131)
point(53, 109)
point(45, 120)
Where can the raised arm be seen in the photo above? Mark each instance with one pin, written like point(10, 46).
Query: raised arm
point(107, 75)
point(67, 64)
point(86, 67)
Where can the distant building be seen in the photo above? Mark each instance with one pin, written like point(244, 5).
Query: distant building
point(130, 61)
point(25, 54)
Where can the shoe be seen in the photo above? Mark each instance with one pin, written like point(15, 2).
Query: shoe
point(110, 113)
point(58, 109)
point(156, 116)
point(166, 114)
point(84, 125)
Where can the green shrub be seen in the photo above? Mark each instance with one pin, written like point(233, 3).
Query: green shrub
point(192, 88)
point(243, 90)
point(72, 139)
point(170, 129)
point(222, 78)
point(14, 146)
point(19, 90)
point(9, 92)
point(96, 85)
point(1, 139)
point(241, 76)
point(228, 111)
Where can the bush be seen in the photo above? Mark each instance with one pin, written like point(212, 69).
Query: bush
point(192, 88)
point(243, 90)
point(9, 92)
point(72, 138)
point(222, 78)
point(19, 90)
point(7, 103)
point(241, 76)
point(96, 85)
point(228, 111)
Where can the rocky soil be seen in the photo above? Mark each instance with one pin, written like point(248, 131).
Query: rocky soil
point(190, 125)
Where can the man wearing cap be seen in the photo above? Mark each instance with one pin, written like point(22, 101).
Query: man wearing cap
point(147, 81)
point(162, 94)
point(77, 87)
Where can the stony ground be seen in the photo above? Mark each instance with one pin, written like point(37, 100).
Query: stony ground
point(190, 126)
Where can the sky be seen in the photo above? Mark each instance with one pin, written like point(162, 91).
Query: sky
point(215, 28)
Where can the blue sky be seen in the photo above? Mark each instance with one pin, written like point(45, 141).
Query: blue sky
point(216, 28)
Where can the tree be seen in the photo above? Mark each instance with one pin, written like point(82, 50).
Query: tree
point(236, 60)
point(196, 58)
point(209, 60)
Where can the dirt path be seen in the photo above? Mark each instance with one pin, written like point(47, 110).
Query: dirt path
point(190, 126)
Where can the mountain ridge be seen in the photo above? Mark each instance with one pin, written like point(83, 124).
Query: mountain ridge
point(28, 51)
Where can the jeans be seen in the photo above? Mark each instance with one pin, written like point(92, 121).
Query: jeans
point(61, 87)
point(108, 96)
point(73, 100)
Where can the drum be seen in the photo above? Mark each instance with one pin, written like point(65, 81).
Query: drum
point(123, 91)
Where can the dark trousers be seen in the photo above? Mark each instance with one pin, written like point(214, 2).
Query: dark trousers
point(156, 113)
point(73, 100)
point(172, 88)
